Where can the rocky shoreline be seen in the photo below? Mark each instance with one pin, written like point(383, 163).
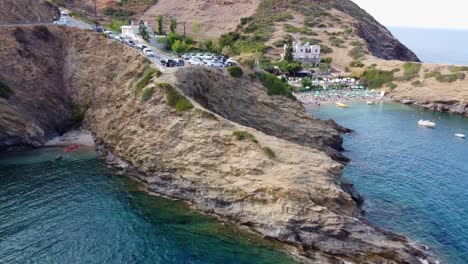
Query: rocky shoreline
point(453, 107)
point(156, 183)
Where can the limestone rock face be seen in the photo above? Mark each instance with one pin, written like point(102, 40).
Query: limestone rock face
point(381, 43)
point(246, 102)
point(295, 196)
point(26, 11)
point(39, 107)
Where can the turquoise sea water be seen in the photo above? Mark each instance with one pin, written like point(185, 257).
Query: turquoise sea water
point(414, 179)
point(75, 211)
point(435, 45)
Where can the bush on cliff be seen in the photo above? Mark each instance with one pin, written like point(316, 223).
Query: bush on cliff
point(147, 94)
point(243, 135)
point(356, 53)
point(235, 71)
point(175, 99)
point(274, 85)
point(410, 70)
point(448, 78)
point(375, 78)
point(5, 91)
point(269, 152)
point(144, 81)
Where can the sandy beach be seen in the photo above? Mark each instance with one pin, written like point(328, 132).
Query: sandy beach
point(78, 137)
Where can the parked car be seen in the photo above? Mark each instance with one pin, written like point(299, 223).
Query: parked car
point(180, 62)
point(130, 43)
point(215, 64)
point(230, 62)
point(186, 56)
point(141, 47)
point(195, 61)
point(119, 39)
point(148, 52)
point(62, 21)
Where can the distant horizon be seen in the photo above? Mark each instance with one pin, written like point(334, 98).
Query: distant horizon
point(418, 13)
point(427, 28)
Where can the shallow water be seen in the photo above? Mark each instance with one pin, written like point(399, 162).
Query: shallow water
point(414, 179)
point(74, 211)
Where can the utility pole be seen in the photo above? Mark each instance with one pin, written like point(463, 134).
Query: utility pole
point(185, 34)
point(95, 14)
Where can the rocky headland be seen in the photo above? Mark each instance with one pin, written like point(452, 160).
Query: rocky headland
point(259, 161)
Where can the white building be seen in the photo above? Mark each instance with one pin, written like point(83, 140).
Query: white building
point(305, 52)
point(133, 31)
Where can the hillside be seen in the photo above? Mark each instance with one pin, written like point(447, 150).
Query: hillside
point(148, 128)
point(26, 11)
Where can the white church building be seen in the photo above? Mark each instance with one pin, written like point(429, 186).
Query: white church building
point(305, 52)
point(133, 31)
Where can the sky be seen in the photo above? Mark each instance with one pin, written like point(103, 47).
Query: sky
point(452, 14)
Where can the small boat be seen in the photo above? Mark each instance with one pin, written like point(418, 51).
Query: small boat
point(426, 123)
point(71, 148)
point(370, 102)
point(460, 135)
point(342, 105)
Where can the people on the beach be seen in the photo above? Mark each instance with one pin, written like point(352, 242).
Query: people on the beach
point(318, 97)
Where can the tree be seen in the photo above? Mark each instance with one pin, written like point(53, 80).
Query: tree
point(160, 20)
point(288, 55)
point(209, 45)
point(227, 51)
point(196, 30)
point(306, 82)
point(179, 47)
point(172, 25)
point(143, 30)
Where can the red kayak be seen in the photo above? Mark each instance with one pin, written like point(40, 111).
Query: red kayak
point(71, 148)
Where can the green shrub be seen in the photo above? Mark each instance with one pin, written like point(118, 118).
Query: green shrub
point(396, 70)
point(356, 64)
point(391, 85)
point(269, 152)
point(416, 83)
point(283, 16)
point(446, 78)
point(144, 81)
point(431, 74)
point(454, 69)
point(279, 43)
point(302, 30)
point(274, 85)
point(243, 135)
point(176, 100)
point(375, 78)
point(450, 77)
point(356, 53)
point(5, 90)
point(147, 94)
point(327, 60)
point(235, 71)
point(411, 70)
point(324, 49)
point(337, 42)
point(356, 44)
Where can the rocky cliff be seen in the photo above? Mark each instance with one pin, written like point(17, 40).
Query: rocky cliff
point(246, 102)
point(275, 187)
point(26, 11)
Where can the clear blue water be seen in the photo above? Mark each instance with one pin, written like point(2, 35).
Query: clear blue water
point(435, 45)
point(76, 211)
point(414, 179)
